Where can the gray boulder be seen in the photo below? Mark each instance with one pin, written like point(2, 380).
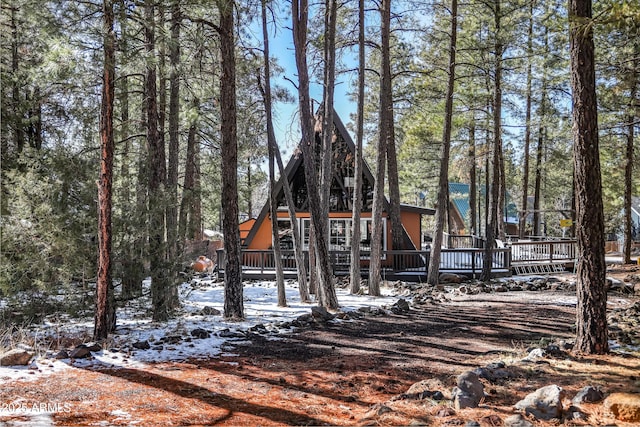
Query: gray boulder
point(544, 403)
point(80, 352)
point(588, 394)
point(321, 314)
point(469, 391)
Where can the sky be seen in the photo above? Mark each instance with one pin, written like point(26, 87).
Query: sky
point(287, 122)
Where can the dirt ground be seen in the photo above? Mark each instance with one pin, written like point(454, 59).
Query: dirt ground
point(349, 373)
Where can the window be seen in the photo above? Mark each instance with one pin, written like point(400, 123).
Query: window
point(285, 233)
point(340, 234)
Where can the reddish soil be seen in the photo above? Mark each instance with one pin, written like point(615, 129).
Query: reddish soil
point(340, 373)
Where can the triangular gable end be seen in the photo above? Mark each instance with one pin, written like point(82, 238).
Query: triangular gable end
point(344, 150)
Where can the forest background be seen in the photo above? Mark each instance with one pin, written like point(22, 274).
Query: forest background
point(52, 77)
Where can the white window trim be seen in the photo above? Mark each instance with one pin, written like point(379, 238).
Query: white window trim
point(305, 223)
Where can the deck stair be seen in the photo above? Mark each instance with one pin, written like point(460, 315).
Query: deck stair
point(538, 268)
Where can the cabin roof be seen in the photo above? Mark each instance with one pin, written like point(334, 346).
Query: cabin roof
point(297, 161)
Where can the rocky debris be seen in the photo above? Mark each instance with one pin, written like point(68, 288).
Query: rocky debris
point(495, 372)
point(624, 406)
point(451, 278)
point(469, 391)
point(210, 311)
point(141, 345)
point(425, 386)
point(516, 420)
point(574, 414)
point(544, 403)
point(624, 324)
point(81, 351)
point(62, 354)
point(401, 306)
point(228, 333)
point(588, 394)
point(16, 357)
point(615, 285)
point(200, 333)
point(372, 311)
point(320, 314)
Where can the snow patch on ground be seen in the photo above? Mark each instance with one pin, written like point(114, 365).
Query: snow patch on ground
point(135, 325)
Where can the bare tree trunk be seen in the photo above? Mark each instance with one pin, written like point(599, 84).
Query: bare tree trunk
point(393, 216)
point(105, 317)
point(537, 191)
point(473, 211)
point(272, 147)
point(542, 140)
point(495, 188)
point(498, 167)
point(502, 194)
point(189, 222)
point(133, 259)
point(300, 10)
point(628, 169)
point(233, 292)
point(443, 181)
point(591, 312)
point(326, 292)
point(174, 146)
point(527, 131)
point(356, 234)
point(160, 282)
point(384, 135)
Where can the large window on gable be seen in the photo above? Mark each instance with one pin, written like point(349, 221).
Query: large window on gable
point(340, 234)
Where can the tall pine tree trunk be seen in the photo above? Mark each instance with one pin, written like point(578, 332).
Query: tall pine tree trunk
point(300, 10)
point(160, 283)
point(189, 222)
point(591, 312)
point(493, 191)
point(233, 292)
point(385, 133)
point(473, 209)
point(527, 132)
point(628, 169)
point(393, 216)
point(326, 292)
point(356, 234)
point(174, 120)
point(272, 147)
point(105, 317)
point(443, 181)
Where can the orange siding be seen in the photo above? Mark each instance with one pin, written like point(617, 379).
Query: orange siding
point(410, 220)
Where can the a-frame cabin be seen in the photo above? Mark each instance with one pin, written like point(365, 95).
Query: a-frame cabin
point(341, 196)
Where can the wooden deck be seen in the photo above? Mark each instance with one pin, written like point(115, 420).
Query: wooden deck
point(523, 257)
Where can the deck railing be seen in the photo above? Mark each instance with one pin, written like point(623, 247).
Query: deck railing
point(552, 251)
point(462, 241)
point(463, 261)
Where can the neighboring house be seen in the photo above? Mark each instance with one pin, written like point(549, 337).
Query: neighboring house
point(340, 205)
point(460, 210)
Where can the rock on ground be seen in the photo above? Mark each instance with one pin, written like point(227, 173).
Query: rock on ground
point(469, 391)
point(16, 357)
point(544, 403)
